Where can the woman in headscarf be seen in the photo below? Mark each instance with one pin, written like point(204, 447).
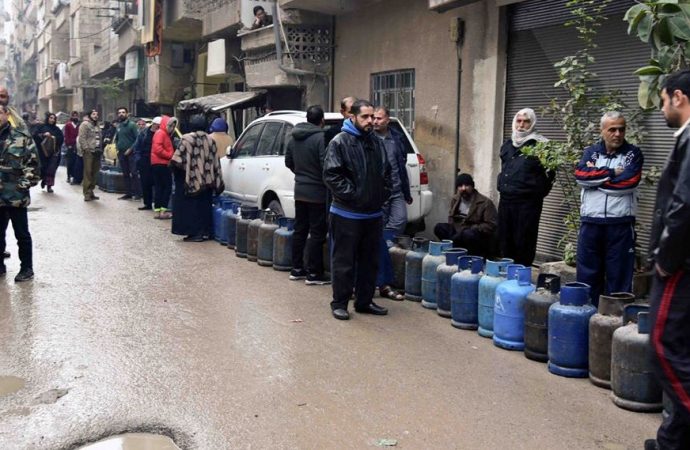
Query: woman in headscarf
point(197, 176)
point(219, 134)
point(48, 138)
point(523, 184)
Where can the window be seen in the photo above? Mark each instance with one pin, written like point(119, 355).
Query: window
point(245, 146)
point(287, 130)
point(395, 91)
point(266, 146)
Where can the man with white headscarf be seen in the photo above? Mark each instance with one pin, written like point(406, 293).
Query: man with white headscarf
point(523, 183)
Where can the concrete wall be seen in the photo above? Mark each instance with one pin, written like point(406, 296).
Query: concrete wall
point(405, 34)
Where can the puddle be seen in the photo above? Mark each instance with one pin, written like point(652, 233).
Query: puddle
point(133, 441)
point(10, 384)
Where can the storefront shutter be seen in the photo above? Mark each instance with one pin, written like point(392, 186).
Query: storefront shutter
point(537, 40)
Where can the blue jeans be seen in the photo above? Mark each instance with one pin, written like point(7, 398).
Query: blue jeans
point(384, 277)
point(395, 214)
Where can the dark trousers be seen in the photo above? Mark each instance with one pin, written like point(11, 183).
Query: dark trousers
point(77, 169)
point(146, 178)
point(20, 225)
point(518, 225)
point(70, 154)
point(606, 257)
point(354, 259)
point(477, 244)
point(311, 226)
point(670, 340)
point(92, 165)
point(162, 181)
point(385, 273)
point(129, 173)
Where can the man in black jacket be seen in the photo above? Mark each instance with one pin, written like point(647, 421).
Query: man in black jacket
point(304, 156)
point(357, 172)
point(142, 158)
point(670, 257)
point(523, 184)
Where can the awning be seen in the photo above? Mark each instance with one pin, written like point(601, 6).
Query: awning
point(219, 102)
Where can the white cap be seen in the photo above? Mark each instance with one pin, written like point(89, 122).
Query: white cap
point(156, 120)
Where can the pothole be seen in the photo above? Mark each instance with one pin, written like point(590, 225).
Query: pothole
point(133, 441)
point(10, 384)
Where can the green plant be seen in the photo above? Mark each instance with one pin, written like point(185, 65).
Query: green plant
point(578, 112)
point(665, 26)
point(110, 88)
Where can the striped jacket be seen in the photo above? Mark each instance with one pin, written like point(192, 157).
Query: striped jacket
point(605, 197)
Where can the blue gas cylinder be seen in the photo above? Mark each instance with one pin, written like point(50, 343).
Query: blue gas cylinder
point(231, 216)
point(429, 265)
point(495, 274)
point(225, 206)
point(569, 332)
point(413, 269)
point(464, 293)
point(218, 217)
point(509, 308)
point(247, 214)
point(282, 244)
point(444, 272)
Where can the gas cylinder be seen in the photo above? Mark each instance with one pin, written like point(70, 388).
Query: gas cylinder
point(429, 265)
point(569, 331)
point(282, 244)
point(221, 231)
point(247, 213)
point(509, 308)
point(494, 275)
point(633, 380)
point(264, 252)
point(537, 316)
point(398, 253)
point(444, 272)
point(413, 269)
point(464, 293)
point(231, 216)
point(609, 318)
point(218, 217)
point(253, 236)
point(119, 186)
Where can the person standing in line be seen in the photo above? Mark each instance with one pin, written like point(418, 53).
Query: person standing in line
point(219, 134)
point(126, 136)
point(345, 107)
point(161, 152)
point(395, 209)
point(523, 183)
point(358, 175)
point(71, 131)
point(142, 158)
point(19, 171)
point(670, 259)
point(15, 119)
point(198, 178)
point(89, 145)
point(304, 157)
point(609, 173)
point(48, 139)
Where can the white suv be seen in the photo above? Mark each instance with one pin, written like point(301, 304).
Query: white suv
point(254, 171)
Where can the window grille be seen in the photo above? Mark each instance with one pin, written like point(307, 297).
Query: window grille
point(395, 91)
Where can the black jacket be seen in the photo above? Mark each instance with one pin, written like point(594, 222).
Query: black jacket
point(402, 164)
point(671, 223)
point(304, 156)
point(522, 177)
point(357, 172)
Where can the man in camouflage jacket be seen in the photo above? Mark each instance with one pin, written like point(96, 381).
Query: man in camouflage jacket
point(19, 171)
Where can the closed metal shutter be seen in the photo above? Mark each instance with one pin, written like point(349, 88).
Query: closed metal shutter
point(535, 44)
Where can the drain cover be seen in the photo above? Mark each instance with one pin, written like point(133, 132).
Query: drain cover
point(133, 441)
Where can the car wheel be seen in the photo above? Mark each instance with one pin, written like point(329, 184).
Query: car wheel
point(276, 207)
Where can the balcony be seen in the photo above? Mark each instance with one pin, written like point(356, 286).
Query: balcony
point(324, 6)
point(182, 21)
point(225, 19)
point(45, 88)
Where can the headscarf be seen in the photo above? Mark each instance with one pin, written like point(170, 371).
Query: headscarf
point(197, 123)
point(521, 137)
point(196, 156)
point(219, 125)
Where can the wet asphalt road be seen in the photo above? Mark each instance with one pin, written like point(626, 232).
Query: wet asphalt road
point(126, 328)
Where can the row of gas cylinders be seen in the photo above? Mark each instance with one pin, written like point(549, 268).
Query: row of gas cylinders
point(261, 236)
point(110, 179)
point(548, 322)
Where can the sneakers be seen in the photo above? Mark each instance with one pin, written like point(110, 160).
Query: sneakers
point(314, 279)
point(298, 274)
point(24, 275)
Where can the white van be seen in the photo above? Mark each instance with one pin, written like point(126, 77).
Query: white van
point(254, 171)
